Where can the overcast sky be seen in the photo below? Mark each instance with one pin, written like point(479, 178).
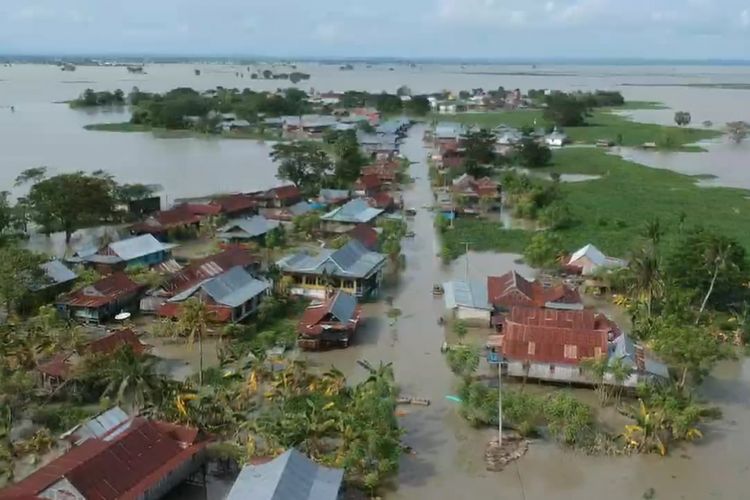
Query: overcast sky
point(502, 29)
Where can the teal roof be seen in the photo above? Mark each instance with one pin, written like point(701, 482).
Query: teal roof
point(355, 211)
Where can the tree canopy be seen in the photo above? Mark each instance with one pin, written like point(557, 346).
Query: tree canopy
point(68, 202)
point(305, 164)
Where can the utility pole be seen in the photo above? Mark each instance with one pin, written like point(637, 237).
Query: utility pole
point(500, 401)
point(466, 261)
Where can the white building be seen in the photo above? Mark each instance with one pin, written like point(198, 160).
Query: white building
point(590, 260)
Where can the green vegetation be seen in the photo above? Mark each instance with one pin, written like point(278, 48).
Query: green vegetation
point(90, 99)
point(610, 210)
point(481, 235)
point(602, 124)
point(163, 133)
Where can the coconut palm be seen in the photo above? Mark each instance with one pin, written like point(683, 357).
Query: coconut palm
point(716, 256)
point(132, 379)
point(645, 280)
point(193, 323)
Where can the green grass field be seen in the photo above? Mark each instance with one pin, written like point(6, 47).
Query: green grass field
point(602, 125)
point(611, 211)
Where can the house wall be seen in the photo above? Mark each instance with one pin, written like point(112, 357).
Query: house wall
point(149, 260)
point(175, 477)
point(472, 315)
point(542, 371)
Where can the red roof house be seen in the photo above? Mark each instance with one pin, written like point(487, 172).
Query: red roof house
point(102, 300)
point(512, 289)
point(365, 234)
point(381, 200)
point(552, 344)
point(332, 322)
point(278, 197)
point(114, 341)
point(386, 172)
point(180, 216)
point(138, 459)
point(367, 185)
point(235, 204)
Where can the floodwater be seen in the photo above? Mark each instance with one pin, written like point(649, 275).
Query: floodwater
point(448, 463)
point(41, 132)
point(449, 454)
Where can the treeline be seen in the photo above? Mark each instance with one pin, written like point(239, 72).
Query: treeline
point(67, 202)
point(294, 76)
point(572, 109)
point(90, 98)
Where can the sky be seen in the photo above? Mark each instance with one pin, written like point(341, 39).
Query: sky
point(483, 29)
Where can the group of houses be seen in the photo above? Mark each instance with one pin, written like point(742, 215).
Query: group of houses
point(115, 456)
point(447, 140)
point(544, 331)
point(477, 100)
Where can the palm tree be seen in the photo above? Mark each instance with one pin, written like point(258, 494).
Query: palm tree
point(716, 256)
point(193, 323)
point(132, 379)
point(646, 281)
point(653, 231)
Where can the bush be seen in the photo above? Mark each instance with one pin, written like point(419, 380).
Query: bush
point(59, 419)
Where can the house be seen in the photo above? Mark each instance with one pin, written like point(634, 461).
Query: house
point(290, 476)
point(57, 369)
point(352, 268)
point(512, 289)
point(102, 300)
point(311, 126)
point(381, 200)
point(590, 260)
point(452, 158)
point(548, 344)
point(137, 459)
point(467, 301)
point(278, 197)
point(332, 322)
point(144, 250)
point(345, 217)
point(235, 205)
point(58, 278)
point(448, 131)
point(287, 214)
point(234, 125)
point(229, 297)
point(386, 172)
point(329, 197)
point(367, 185)
point(96, 427)
point(185, 216)
point(253, 228)
point(644, 366)
point(196, 272)
point(366, 235)
point(556, 139)
point(473, 190)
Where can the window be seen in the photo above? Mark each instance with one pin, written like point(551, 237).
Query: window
point(552, 368)
point(532, 348)
point(571, 351)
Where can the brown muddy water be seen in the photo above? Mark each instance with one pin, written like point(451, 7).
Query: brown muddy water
point(448, 463)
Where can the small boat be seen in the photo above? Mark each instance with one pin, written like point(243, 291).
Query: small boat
point(410, 212)
point(437, 289)
point(410, 234)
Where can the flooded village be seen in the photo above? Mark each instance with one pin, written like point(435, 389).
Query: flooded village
point(387, 282)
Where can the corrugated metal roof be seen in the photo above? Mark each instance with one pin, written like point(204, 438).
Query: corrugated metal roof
point(235, 287)
point(251, 227)
point(98, 426)
point(290, 476)
point(57, 272)
point(352, 260)
point(137, 247)
point(343, 306)
point(594, 255)
point(354, 211)
point(466, 294)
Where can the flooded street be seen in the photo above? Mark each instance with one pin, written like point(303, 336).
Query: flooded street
point(449, 459)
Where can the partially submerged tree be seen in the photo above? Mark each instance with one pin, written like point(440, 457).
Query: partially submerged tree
point(20, 273)
point(305, 164)
point(682, 118)
point(68, 202)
